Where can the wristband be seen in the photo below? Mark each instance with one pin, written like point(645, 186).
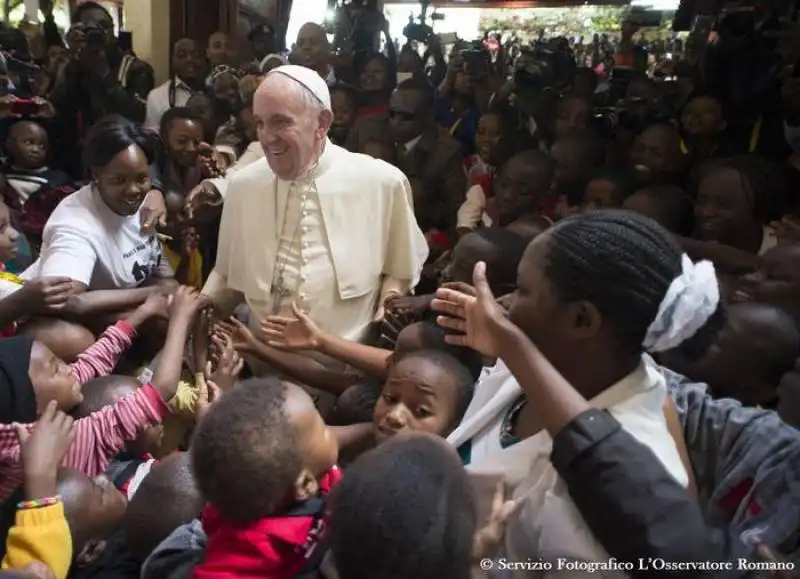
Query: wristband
point(39, 503)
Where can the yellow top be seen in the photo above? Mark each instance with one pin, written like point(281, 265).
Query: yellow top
point(40, 535)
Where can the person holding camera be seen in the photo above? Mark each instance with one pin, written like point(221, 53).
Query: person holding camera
point(100, 78)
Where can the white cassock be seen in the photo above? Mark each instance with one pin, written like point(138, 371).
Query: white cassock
point(339, 239)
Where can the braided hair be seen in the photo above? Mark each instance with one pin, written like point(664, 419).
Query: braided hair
point(766, 184)
point(622, 263)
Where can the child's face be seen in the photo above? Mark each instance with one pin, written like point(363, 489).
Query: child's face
point(721, 211)
point(344, 109)
point(53, 379)
point(656, 153)
point(517, 190)
point(487, 138)
point(469, 250)
point(28, 145)
point(183, 141)
point(599, 194)
point(317, 444)
point(95, 506)
point(8, 235)
point(572, 114)
point(418, 395)
point(702, 117)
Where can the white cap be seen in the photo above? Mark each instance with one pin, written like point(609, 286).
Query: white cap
point(307, 78)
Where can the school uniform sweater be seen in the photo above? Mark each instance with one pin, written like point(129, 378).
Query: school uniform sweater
point(40, 535)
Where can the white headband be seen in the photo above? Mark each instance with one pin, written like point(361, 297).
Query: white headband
point(691, 299)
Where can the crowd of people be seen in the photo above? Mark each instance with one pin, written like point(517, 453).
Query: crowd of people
point(321, 314)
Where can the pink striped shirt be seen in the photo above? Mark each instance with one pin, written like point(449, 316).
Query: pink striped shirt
point(102, 435)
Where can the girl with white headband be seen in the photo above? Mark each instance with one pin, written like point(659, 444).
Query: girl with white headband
point(594, 294)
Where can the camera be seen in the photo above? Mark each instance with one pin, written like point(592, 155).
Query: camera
point(95, 36)
point(544, 68)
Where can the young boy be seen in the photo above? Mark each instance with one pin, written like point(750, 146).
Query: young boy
point(264, 461)
point(33, 189)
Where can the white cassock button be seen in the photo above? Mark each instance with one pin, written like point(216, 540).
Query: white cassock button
point(303, 297)
point(305, 245)
point(303, 277)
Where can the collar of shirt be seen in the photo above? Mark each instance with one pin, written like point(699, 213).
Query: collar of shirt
point(409, 146)
point(181, 85)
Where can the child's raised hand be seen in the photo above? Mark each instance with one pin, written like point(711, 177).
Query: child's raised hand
point(43, 449)
point(156, 305)
point(298, 333)
point(488, 537)
point(479, 320)
point(208, 394)
point(229, 363)
point(241, 338)
point(185, 304)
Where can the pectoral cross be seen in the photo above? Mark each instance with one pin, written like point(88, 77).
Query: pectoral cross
point(278, 292)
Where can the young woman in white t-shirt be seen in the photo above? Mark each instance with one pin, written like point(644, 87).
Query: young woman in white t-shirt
point(95, 236)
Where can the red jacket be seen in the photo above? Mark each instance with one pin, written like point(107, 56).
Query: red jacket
point(278, 547)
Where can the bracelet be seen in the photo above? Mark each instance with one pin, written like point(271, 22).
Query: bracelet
point(38, 503)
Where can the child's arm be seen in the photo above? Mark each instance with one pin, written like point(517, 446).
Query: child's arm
point(303, 368)
point(728, 259)
point(41, 533)
point(101, 357)
point(301, 333)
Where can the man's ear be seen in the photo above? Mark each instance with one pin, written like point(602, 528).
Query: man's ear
point(325, 122)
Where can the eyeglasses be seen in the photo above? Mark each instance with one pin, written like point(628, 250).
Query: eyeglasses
point(402, 115)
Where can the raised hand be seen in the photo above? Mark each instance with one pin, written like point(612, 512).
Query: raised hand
point(186, 303)
point(43, 449)
point(478, 320)
point(490, 535)
point(229, 363)
point(298, 333)
point(208, 394)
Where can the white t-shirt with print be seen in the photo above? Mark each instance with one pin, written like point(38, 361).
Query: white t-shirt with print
point(86, 241)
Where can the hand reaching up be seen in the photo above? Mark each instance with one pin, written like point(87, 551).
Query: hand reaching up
point(298, 333)
point(489, 537)
point(43, 449)
point(229, 364)
point(185, 304)
point(208, 394)
point(479, 320)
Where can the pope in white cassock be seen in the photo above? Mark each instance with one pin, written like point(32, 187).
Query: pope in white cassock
point(312, 223)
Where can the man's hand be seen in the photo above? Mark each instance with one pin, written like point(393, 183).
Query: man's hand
point(153, 212)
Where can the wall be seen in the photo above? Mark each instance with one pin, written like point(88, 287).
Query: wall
point(149, 20)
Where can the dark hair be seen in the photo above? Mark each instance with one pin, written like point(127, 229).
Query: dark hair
point(450, 364)
point(178, 113)
point(623, 263)
point(421, 86)
point(676, 206)
point(509, 135)
point(77, 14)
point(766, 184)
point(244, 455)
point(113, 134)
point(623, 180)
point(167, 498)
point(404, 509)
point(587, 72)
point(509, 249)
point(347, 89)
point(104, 391)
point(432, 338)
